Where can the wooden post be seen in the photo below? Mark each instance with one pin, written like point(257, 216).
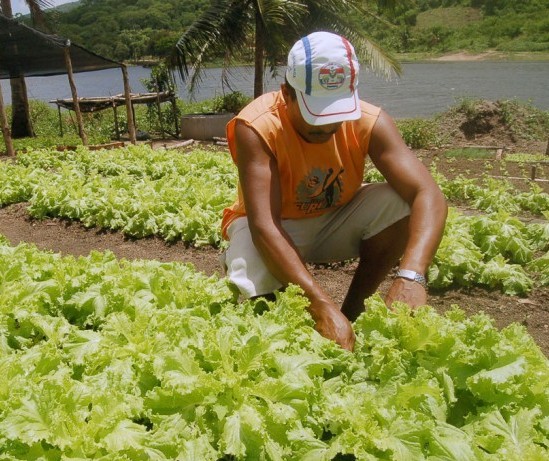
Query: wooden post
point(5, 127)
point(116, 125)
point(547, 149)
point(159, 109)
point(129, 105)
point(60, 120)
point(79, 120)
point(174, 110)
point(132, 105)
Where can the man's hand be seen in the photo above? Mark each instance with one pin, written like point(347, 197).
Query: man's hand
point(407, 291)
point(331, 323)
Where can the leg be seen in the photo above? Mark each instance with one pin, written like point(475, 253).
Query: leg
point(372, 227)
point(243, 264)
point(378, 255)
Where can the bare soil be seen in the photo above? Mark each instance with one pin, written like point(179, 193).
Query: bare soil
point(533, 311)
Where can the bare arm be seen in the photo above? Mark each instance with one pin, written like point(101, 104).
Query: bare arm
point(413, 182)
point(259, 180)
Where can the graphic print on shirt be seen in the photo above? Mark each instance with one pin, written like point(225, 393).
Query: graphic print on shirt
point(319, 190)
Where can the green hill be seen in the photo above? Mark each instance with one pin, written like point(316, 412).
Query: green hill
point(66, 7)
point(516, 26)
point(142, 29)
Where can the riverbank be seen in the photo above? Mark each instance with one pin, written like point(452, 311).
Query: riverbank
point(466, 56)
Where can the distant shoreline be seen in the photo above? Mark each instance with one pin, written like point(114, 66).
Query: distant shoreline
point(464, 56)
point(461, 56)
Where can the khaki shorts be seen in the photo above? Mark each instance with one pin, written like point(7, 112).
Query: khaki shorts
point(334, 236)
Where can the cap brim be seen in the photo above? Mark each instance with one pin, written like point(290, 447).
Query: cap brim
point(322, 111)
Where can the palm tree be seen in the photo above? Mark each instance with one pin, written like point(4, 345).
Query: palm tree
point(228, 28)
point(21, 124)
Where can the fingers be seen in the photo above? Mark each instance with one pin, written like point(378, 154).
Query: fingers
point(336, 326)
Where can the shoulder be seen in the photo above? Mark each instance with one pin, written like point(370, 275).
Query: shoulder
point(261, 116)
point(266, 105)
point(369, 110)
point(369, 116)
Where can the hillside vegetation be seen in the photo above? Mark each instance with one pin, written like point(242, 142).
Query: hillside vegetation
point(472, 25)
point(142, 29)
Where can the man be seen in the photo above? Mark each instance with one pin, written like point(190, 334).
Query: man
point(300, 154)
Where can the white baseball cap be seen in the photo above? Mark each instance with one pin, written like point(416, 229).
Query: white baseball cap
point(323, 69)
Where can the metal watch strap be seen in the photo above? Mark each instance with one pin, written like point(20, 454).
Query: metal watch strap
point(413, 276)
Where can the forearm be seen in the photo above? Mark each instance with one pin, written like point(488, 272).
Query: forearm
point(284, 261)
point(426, 227)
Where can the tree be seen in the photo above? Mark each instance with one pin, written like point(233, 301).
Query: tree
point(137, 41)
point(230, 27)
point(21, 124)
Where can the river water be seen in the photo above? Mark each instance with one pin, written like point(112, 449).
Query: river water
point(423, 89)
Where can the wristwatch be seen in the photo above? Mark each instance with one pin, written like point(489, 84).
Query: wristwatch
point(413, 276)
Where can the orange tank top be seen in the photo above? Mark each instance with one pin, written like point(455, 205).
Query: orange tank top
point(314, 178)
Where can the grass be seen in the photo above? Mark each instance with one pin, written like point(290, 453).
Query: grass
point(470, 153)
point(100, 126)
point(452, 17)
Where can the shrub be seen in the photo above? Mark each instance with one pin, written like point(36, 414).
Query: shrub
point(232, 102)
point(525, 120)
point(419, 133)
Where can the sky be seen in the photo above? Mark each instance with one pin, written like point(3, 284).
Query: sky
point(19, 6)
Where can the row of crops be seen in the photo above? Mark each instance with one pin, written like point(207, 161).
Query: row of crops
point(116, 360)
point(138, 191)
point(180, 196)
point(111, 359)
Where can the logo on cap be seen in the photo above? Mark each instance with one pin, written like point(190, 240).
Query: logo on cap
point(331, 76)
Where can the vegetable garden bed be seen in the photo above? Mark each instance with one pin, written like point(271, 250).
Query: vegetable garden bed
point(132, 354)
